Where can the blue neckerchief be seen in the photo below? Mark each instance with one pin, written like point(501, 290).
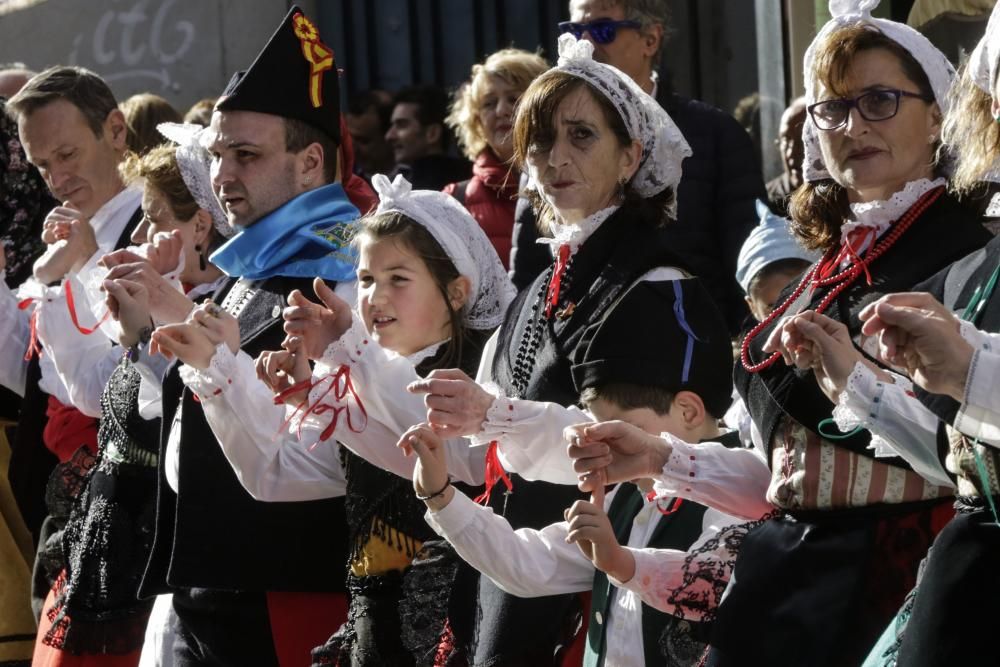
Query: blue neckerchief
point(306, 237)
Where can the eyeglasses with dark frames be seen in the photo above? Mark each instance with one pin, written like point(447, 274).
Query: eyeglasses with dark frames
point(602, 31)
point(875, 105)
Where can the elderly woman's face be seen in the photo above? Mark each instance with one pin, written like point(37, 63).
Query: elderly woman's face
point(875, 159)
point(496, 115)
point(578, 173)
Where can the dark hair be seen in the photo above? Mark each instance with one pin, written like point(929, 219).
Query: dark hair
point(396, 225)
point(300, 134)
point(375, 100)
point(818, 209)
point(628, 396)
point(534, 131)
point(649, 13)
point(143, 112)
point(786, 265)
point(432, 106)
point(80, 87)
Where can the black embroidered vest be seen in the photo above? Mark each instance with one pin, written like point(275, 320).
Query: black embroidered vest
point(945, 232)
point(514, 630)
point(212, 533)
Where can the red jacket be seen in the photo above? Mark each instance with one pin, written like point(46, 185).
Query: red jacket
point(490, 196)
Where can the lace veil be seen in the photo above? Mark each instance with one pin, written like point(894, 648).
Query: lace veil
point(845, 13)
point(663, 145)
point(464, 241)
point(983, 59)
point(194, 161)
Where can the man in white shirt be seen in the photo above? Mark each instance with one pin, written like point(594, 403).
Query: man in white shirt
point(73, 132)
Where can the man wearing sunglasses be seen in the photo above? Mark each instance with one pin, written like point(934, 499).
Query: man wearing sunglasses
point(721, 179)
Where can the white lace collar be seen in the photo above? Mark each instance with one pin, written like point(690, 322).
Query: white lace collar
point(880, 214)
point(417, 357)
point(575, 235)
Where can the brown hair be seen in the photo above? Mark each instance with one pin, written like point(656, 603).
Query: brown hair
point(200, 112)
point(534, 132)
point(818, 209)
point(300, 134)
point(143, 112)
point(516, 67)
point(628, 396)
point(970, 133)
point(80, 87)
point(415, 237)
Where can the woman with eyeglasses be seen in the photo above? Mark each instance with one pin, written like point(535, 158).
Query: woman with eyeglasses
point(817, 584)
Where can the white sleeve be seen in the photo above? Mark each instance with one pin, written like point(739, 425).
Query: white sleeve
point(731, 480)
point(525, 562)
point(979, 415)
point(662, 577)
point(15, 332)
point(83, 362)
point(529, 437)
point(899, 423)
point(271, 463)
point(359, 398)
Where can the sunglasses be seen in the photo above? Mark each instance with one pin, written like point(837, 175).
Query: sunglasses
point(873, 106)
point(602, 31)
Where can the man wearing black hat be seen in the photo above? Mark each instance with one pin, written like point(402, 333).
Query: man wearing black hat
point(244, 573)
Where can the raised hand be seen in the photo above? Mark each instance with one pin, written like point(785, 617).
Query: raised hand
point(282, 369)
point(917, 333)
point(166, 303)
point(219, 326)
point(56, 226)
point(456, 404)
point(614, 451)
point(811, 340)
point(317, 324)
point(590, 529)
point(194, 341)
point(164, 253)
point(74, 244)
point(128, 303)
point(430, 474)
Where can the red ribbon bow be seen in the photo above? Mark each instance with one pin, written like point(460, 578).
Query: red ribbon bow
point(343, 392)
point(555, 283)
point(494, 473)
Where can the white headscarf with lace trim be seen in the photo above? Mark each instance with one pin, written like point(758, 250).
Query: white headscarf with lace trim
point(983, 59)
point(663, 145)
point(845, 13)
point(194, 163)
point(462, 239)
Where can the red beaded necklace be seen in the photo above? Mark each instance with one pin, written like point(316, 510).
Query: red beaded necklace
point(840, 281)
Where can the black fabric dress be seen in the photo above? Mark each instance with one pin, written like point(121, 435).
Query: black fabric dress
point(402, 616)
point(533, 361)
point(817, 587)
point(109, 533)
point(950, 622)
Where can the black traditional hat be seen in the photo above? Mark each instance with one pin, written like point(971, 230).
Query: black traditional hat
point(667, 334)
point(294, 76)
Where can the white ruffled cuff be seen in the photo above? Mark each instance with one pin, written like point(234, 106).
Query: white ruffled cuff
point(979, 340)
point(681, 469)
point(212, 381)
point(859, 405)
point(347, 349)
point(501, 417)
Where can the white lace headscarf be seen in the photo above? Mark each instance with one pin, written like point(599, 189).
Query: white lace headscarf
point(845, 13)
point(663, 145)
point(983, 59)
point(462, 239)
point(194, 163)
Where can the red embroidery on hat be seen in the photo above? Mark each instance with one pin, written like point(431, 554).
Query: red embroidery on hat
point(317, 54)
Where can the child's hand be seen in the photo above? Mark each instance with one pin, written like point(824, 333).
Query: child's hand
point(430, 474)
point(591, 529)
point(317, 324)
point(282, 369)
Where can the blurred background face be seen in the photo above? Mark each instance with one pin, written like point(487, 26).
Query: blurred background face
point(628, 52)
point(81, 169)
point(409, 139)
point(790, 138)
point(875, 159)
point(371, 150)
point(496, 115)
